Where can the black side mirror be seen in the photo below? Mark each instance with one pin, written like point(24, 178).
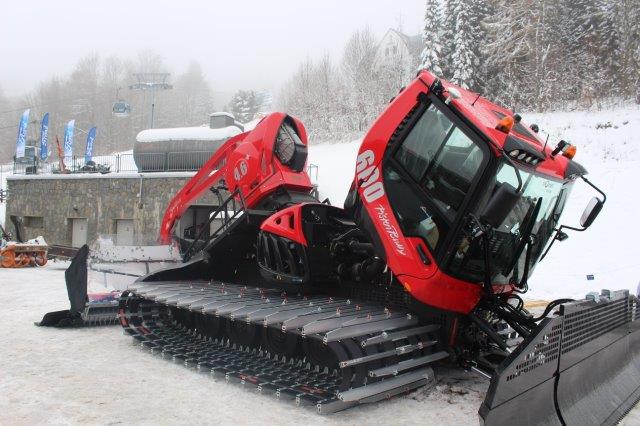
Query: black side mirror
point(500, 205)
point(591, 212)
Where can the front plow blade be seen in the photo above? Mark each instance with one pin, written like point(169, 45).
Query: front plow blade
point(581, 367)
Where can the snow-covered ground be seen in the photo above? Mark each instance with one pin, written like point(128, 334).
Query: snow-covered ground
point(96, 375)
point(609, 147)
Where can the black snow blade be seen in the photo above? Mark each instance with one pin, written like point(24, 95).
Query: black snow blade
point(580, 367)
point(82, 312)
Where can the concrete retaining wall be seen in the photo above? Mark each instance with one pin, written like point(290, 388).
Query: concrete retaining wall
point(48, 203)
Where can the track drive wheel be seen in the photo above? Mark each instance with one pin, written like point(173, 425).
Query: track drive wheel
point(242, 333)
point(319, 354)
point(278, 342)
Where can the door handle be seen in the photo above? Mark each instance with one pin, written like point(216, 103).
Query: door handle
point(423, 255)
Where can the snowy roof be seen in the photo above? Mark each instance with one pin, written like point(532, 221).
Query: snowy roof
point(221, 113)
point(414, 42)
point(202, 133)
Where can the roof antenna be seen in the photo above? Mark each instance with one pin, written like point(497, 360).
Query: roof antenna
point(476, 100)
point(545, 144)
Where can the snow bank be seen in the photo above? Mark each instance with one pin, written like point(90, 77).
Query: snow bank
point(336, 167)
point(609, 147)
point(202, 133)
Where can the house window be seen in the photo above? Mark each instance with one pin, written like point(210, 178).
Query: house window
point(386, 51)
point(395, 49)
point(34, 221)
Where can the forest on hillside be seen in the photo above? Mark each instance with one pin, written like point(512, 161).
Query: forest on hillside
point(529, 55)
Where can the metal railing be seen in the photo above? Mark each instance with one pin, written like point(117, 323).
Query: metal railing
point(118, 163)
point(229, 211)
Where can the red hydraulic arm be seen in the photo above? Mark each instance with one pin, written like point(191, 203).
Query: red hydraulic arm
point(246, 163)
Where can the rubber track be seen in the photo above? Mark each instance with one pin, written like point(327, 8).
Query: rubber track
point(376, 353)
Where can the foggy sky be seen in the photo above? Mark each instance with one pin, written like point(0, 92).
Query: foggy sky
point(240, 44)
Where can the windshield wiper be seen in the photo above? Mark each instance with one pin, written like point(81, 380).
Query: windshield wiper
point(525, 236)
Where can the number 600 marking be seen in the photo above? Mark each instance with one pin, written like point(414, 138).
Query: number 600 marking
point(369, 174)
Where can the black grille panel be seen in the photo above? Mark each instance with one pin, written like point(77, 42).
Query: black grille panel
point(584, 326)
point(545, 351)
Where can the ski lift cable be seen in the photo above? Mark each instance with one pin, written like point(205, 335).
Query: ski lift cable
point(80, 96)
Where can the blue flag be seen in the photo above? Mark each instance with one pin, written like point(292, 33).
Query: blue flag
point(89, 151)
point(68, 139)
point(22, 134)
point(44, 137)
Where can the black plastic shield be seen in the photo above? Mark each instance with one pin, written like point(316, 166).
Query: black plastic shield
point(579, 367)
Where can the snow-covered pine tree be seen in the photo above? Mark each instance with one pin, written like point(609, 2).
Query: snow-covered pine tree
point(583, 54)
point(609, 40)
point(433, 28)
point(464, 61)
point(244, 105)
point(481, 10)
point(447, 41)
point(506, 53)
point(627, 19)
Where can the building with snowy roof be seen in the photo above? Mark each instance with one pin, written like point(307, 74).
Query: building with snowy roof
point(399, 52)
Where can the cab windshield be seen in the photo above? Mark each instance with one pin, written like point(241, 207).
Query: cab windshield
point(542, 202)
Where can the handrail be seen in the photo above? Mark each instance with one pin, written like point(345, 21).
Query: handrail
point(225, 223)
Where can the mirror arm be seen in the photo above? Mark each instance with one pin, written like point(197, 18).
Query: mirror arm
point(588, 182)
point(555, 238)
point(573, 228)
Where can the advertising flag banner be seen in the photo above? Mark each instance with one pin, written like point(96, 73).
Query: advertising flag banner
point(91, 136)
point(22, 134)
point(68, 139)
point(44, 137)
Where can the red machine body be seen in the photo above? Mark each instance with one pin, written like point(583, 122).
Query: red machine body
point(248, 167)
point(427, 283)
point(245, 163)
point(453, 203)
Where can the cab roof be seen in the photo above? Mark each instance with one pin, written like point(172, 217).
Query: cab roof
point(485, 115)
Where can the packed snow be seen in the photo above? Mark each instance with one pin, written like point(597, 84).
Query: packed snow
point(96, 375)
point(201, 133)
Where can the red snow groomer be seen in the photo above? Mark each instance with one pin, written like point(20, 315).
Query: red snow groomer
point(453, 204)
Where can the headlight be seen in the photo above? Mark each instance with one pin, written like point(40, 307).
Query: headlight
point(285, 146)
